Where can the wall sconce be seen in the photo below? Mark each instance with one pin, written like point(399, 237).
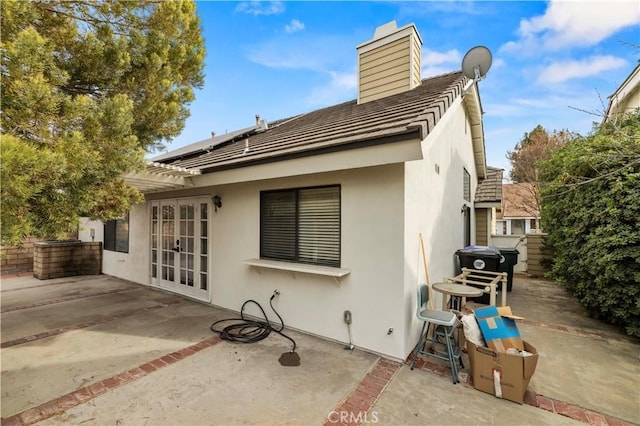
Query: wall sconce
point(217, 202)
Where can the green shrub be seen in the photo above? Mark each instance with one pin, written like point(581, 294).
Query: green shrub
point(591, 211)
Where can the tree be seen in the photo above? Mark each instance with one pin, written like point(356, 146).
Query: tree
point(87, 88)
point(534, 147)
point(591, 211)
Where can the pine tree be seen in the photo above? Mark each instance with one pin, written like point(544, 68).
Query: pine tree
point(87, 88)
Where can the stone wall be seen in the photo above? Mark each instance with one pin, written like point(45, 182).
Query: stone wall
point(56, 259)
point(16, 259)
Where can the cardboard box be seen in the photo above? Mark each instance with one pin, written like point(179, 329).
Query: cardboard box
point(514, 371)
point(499, 328)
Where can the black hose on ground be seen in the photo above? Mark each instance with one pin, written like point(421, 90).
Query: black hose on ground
point(250, 331)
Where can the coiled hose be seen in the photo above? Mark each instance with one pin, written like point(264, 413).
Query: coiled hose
point(249, 331)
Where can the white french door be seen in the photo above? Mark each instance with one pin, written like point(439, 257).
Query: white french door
point(180, 246)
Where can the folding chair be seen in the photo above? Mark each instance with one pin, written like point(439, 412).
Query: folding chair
point(442, 343)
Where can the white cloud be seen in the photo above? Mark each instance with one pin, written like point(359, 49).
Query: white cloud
point(436, 63)
point(277, 54)
point(415, 9)
point(342, 87)
point(498, 63)
point(334, 68)
point(347, 81)
point(309, 53)
point(256, 8)
point(544, 105)
point(573, 23)
point(567, 70)
point(437, 58)
point(294, 26)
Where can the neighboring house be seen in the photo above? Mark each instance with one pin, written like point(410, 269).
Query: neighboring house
point(627, 97)
point(327, 207)
point(488, 201)
point(519, 214)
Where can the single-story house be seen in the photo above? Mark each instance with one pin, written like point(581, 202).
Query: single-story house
point(519, 214)
point(327, 207)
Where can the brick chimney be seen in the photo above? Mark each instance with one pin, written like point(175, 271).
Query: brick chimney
point(389, 63)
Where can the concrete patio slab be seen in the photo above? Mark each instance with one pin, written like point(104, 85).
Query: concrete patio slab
point(22, 292)
point(99, 350)
point(601, 374)
point(40, 319)
point(422, 398)
point(234, 384)
point(38, 371)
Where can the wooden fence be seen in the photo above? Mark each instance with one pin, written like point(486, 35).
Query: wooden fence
point(539, 256)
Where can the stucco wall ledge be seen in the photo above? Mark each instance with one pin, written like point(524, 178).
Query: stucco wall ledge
point(335, 273)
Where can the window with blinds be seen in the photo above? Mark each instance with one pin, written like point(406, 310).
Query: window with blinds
point(301, 225)
point(466, 179)
point(116, 235)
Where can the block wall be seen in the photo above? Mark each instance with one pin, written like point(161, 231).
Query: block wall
point(15, 259)
point(56, 259)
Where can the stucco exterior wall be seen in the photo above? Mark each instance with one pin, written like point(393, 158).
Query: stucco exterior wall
point(632, 102)
point(511, 241)
point(372, 248)
point(433, 207)
point(87, 226)
point(627, 96)
point(134, 265)
point(384, 209)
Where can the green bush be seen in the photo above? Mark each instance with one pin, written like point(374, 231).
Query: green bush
point(591, 211)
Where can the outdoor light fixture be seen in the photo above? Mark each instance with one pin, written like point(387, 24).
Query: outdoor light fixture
point(217, 202)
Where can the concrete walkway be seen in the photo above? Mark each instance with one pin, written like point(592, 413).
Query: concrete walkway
point(99, 350)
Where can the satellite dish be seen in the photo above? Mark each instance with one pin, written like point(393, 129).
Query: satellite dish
point(476, 62)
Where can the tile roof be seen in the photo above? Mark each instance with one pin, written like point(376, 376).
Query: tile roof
point(519, 200)
point(412, 114)
point(490, 188)
point(204, 145)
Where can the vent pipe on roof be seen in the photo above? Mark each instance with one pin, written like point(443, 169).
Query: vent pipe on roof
point(246, 146)
point(213, 135)
point(261, 124)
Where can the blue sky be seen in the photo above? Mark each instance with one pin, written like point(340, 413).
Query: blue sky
point(552, 61)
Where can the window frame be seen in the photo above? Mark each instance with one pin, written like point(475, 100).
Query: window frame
point(466, 184)
point(297, 257)
point(110, 240)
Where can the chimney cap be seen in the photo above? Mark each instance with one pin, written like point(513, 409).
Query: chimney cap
point(385, 29)
point(391, 30)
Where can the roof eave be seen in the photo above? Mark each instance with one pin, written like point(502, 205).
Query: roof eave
point(488, 204)
point(630, 85)
point(471, 98)
point(239, 162)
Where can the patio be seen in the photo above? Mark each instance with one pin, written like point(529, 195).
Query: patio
point(99, 350)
